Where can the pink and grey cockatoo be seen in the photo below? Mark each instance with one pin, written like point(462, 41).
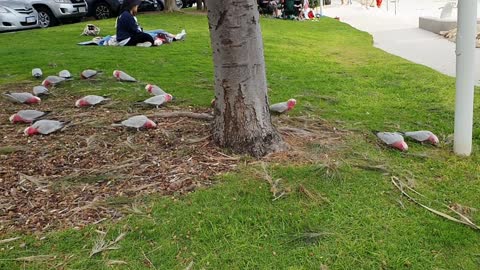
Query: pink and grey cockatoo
point(44, 127)
point(40, 91)
point(122, 76)
point(154, 90)
point(27, 116)
point(37, 73)
point(157, 101)
point(138, 122)
point(89, 73)
point(283, 107)
point(393, 139)
point(90, 100)
point(65, 74)
point(53, 81)
point(423, 136)
point(25, 98)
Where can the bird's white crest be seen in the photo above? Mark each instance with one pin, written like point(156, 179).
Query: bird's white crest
point(11, 118)
point(77, 103)
point(26, 130)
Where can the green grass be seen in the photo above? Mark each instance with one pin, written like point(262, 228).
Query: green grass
point(335, 73)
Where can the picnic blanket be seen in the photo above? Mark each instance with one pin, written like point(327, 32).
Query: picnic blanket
point(112, 40)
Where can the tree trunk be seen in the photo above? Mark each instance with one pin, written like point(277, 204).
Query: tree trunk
point(242, 119)
point(171, 5)
point(199, 4)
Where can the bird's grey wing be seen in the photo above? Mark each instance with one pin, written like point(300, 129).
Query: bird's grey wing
point(49, 126)
point(279, 107)
point(30, 114)
point(389, 138)
point(135, 122)
point(420, 136)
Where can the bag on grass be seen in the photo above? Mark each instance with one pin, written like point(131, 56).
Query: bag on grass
point(91, 30)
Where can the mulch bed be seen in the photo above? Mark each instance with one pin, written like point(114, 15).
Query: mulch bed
point(75, 177)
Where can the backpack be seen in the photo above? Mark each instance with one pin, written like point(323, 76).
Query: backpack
point(91, 30)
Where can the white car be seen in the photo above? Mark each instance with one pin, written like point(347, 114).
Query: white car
point(53, 12)
point(17, 15)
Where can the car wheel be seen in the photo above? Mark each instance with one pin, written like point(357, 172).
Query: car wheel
point(179, 3)
point(103, 11)
point(45, 17)
point(160, 5)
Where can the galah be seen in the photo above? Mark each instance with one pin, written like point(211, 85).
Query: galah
point(283, 107)
point(122, 76)
point(37, 73)
point(89, 73)
point(44, 127)
point(90, 100)
point(52, 81)
point(154, 90)
point(423, 136)
point(157, 101)
point(40, 90)
point(138, 122)
point(393, 139)
point(25, 98)
point(65, 74)
point(27, 116)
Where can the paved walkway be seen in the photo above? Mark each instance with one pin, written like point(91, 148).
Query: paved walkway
point(400, 35)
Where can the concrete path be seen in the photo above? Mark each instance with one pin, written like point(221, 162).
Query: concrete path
point(400, 35)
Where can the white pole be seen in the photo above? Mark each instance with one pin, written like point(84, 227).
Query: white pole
point(466, 41)
point(321, 8)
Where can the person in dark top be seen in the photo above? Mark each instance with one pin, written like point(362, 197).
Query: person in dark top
point(127, 26)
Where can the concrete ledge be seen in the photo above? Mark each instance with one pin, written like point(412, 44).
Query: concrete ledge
point(436, 25)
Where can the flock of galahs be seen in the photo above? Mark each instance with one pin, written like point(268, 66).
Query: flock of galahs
point(40, 125)
point(397, 140)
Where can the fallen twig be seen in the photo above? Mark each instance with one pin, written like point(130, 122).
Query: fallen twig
point(312, 195)
point(377, 168)
point(101, 245)
point(190, 266)
point(115, 262)
point(31, 258)
point(197, 140)
point(40, 183)
point(148, 260)
point(200, 116)
point(275, 187)
point(8, 240)
point(399, 184)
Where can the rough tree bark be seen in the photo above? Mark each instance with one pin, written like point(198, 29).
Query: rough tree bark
point(171, 5)
point(242, 118)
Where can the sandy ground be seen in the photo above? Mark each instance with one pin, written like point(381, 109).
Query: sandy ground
point(399, 34)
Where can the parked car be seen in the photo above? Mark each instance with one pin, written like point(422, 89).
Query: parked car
point(51, 12)
point(103, 9)
point(17, 15)
point(188, 3)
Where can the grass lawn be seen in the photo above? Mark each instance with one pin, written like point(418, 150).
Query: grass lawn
point(335, 74)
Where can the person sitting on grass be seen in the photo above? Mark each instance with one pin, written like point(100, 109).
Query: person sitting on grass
point(128, 28)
